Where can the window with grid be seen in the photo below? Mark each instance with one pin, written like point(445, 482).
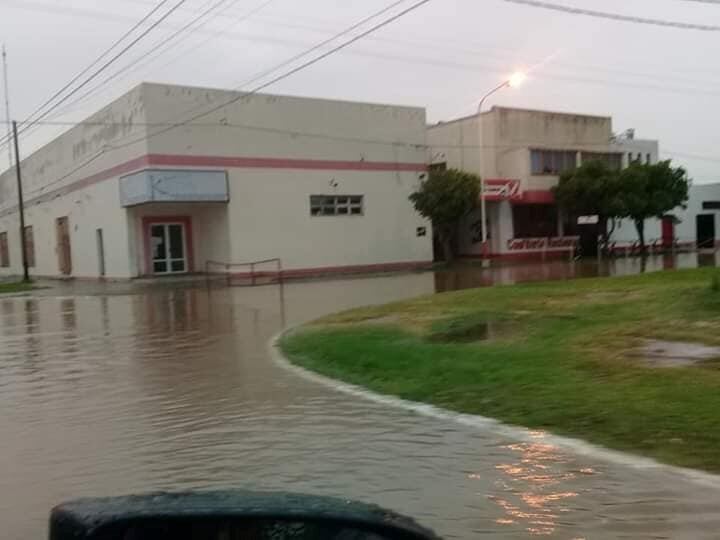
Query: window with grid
point(336, 205)
point(552, 161)
point(4, 251)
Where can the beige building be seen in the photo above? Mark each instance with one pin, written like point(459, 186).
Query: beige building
point(134, 191)
point(520, 154)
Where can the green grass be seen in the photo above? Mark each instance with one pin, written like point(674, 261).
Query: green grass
point(563, 362)
point(15, 287)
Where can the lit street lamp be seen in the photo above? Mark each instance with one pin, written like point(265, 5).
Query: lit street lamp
point(515, 80)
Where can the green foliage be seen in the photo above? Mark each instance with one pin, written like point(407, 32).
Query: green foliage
point(653, 190)
point(591, 189)
point(445, 197)
point(15, 287)
point(567, 363)
point(715, 283)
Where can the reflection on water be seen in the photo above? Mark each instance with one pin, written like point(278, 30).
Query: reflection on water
point(173, 389)
point(473, 275)
point(538, 488)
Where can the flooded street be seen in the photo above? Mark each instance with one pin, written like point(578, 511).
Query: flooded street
point(161, 389)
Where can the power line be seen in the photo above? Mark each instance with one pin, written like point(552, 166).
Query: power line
point(301, 55)
point(323, 43)
point(291, 72)
point(701, 157)
point(99, 58)
point(114, 58)
point(615, 16)
point(142, 62)
point(117, 42)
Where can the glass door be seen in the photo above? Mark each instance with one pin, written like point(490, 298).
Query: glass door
point(167, 241)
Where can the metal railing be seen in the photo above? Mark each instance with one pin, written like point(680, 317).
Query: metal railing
point(659, 246)
point(245, 270)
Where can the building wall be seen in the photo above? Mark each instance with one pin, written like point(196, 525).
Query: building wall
point(73, 176)
point(277, 151)
point(645, 150)
point(284, 149)
point(457, 144)
point(515, 132)
point(686, 229)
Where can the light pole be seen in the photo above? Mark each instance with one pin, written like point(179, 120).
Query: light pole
point(515, 80)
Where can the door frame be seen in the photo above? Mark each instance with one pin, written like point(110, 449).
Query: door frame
point(697, 229)
point(63, 245)
point(186, 221)
point(667, 225)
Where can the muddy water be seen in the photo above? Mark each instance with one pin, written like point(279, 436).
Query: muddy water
point(173, 389)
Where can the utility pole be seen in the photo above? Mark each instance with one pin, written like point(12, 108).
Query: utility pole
point(7, 103)
point(21, 206)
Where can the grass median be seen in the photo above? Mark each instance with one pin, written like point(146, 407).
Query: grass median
point(562, 356)
point(15, 287)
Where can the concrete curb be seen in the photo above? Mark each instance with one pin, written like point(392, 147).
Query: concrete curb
point(577, 446)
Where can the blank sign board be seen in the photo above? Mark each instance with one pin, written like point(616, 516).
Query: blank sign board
point(173, 185)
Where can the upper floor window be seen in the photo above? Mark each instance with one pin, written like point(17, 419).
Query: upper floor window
point(552, 161)
point(336, 205)
point(438, 167)
point(611, 159)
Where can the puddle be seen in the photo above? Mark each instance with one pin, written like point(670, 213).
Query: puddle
point(666, 354)
point(464, 331)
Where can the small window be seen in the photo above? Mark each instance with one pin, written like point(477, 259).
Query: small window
point(336, 205)
point(647, 159)
point(4, 251)
point(711, 205)
point(438, 167)
point(29, 246)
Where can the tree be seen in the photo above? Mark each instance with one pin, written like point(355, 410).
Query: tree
point(652, 191)
point(591, 189)
point(444, 198)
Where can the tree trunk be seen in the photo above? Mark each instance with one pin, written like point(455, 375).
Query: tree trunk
point(640, 226)
point(448, 254)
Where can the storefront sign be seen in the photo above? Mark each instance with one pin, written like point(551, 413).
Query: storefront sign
point(588, 220)
point(541, 244)
point(499, 189)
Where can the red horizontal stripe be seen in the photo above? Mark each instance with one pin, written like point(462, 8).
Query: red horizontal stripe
point(172, 160)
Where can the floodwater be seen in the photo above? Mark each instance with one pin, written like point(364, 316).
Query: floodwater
point(111, 392)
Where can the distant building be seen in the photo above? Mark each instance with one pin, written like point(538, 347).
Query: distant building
point(696, 225)
point(321, 184)
point(520, 154)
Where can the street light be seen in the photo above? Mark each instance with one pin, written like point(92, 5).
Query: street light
point(515, 80)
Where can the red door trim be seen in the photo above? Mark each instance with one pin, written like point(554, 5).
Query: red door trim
point(147, 221)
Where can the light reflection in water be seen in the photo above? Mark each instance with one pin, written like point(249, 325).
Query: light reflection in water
point(533, 486)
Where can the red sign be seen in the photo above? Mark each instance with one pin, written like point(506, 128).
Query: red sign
point(500, 189)
point(538, 244)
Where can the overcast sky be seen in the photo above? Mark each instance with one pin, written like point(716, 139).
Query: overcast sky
point(664, 82)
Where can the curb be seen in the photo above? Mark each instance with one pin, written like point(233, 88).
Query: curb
point(576, 446)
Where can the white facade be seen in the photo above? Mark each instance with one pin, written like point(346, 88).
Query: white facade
point(696, 225)
point(156, 191)
point(520, 154)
